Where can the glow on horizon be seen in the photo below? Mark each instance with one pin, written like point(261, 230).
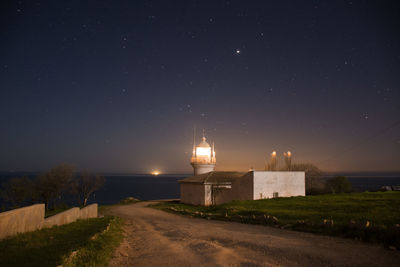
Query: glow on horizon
point(155, 173)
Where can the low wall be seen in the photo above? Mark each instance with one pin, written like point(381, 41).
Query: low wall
point(32, 218)
point(21, 220)
point(61, 218)
point(89, 211)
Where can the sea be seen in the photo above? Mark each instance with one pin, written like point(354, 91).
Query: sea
point(149, 187)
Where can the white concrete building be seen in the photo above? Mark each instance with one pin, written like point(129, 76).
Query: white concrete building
point(214, 188)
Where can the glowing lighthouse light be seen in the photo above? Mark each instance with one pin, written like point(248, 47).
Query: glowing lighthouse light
point(203, 151)
point(203, 158)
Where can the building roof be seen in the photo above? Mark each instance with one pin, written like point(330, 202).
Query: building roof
point(213, 178)
point(203, 143)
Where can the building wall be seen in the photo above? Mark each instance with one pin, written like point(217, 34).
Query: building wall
point(21, 220)
point(253, 185)
point(207, 194)
point(286, 184)
point(223, 195)
point(242, 188)
point(193, 193)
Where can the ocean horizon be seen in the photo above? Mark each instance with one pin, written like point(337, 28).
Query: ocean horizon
point(119, 186)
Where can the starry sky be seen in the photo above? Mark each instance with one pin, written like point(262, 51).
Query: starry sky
point(118, 86)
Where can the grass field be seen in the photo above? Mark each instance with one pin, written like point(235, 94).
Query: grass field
point(371, 217)
point(54, 246)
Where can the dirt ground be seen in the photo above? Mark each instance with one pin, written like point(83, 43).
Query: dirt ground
point(157, 238)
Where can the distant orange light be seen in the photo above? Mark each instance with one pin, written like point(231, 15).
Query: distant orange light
point(155, 173)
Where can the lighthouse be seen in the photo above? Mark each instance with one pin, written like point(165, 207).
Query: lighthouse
point(203, 159)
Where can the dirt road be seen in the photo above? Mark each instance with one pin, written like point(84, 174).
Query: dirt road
point(157, 238)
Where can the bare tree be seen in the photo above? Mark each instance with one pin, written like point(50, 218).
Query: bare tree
point(85, 184)
point(54, 184)
point(44, 189)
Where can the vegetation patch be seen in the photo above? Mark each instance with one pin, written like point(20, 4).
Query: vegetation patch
point(129, 200)
point(88, 242)
point(372, 217)
point(54, 188)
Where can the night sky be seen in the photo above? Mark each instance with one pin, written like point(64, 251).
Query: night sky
point(117, 86)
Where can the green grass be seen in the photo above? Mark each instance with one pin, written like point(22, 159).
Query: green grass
point(129, 200)
point(53, 246)
point(371, 217)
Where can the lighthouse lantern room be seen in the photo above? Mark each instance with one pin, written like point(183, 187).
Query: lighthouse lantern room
point(203, 159)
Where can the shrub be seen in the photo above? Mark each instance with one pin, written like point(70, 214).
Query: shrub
point(314, 183)
point(338, 184)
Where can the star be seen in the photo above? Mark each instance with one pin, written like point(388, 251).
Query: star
point(237, 51)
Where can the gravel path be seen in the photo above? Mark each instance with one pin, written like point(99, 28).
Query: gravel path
point(157, 238)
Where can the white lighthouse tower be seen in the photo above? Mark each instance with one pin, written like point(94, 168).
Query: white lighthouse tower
point(203, 158)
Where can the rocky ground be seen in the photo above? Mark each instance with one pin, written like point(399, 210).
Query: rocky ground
point(157, 238)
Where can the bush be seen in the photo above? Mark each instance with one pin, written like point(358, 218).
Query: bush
point(338, 184)
point(314, 183)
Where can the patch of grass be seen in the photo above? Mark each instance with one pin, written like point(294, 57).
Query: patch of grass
point(52, 246)
point(99, 251)
point(373, 217)
point(128, 200)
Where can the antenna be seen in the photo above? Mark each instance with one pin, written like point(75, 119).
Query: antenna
point(194, 134)
point(194, 140)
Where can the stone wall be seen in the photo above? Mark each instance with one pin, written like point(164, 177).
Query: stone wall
point(21, 220)
point(31, 218)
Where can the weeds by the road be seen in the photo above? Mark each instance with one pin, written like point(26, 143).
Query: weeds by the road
point(372, 217)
